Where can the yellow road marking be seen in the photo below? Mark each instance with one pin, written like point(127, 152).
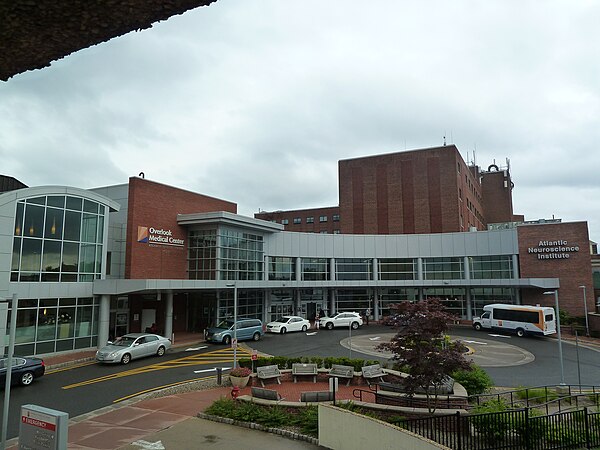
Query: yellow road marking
point(161, 387)
point(218, 356)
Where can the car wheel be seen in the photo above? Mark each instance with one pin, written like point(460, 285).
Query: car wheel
point(477, 326)
point(126, 359)
point(283, 330)
point(520, 332)
point(256, 337)
point(354, 325)
point(161, 351)
point(304, 328)
point(329, 325)
point(227, 340)
point(26, 378)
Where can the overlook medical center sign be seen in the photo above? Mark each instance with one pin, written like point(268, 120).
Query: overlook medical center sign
point(158, 236)
point(560, 249)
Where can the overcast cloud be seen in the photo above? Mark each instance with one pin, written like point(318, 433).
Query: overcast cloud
point(255, 101)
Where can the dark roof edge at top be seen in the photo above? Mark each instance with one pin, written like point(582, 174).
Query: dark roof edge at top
point(35, 33)
point(8, 183)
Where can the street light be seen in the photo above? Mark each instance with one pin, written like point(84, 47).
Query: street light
point(560, 354)
point(234, 286)
point(587, 325)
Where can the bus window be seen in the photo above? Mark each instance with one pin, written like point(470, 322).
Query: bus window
point(549, 317)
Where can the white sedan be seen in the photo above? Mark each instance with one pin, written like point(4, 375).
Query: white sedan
point(343, 319)
point(288, 323)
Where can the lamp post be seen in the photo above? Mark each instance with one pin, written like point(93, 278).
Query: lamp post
point(9, 363)
point(587, 325)
point(560, 354)
point(235, 301)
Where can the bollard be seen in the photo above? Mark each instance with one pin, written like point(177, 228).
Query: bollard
point(219, 375)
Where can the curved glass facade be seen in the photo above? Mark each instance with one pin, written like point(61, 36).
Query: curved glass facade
point(57, 238)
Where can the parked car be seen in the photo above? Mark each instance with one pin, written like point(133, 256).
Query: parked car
point(288, 323)
point(246, 329)
point(133, 346)
point(343, 319)
point(24, 370)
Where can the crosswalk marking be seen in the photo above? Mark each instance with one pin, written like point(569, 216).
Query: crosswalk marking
point(214, 357)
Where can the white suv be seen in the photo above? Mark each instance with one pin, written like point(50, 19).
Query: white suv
point(342, 319)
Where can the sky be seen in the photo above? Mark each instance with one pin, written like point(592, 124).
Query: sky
point(256, 101)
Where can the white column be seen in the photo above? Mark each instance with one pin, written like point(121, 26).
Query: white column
point(169, 314)
point(103, 320)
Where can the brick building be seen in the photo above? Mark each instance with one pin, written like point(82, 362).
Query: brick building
point(428, 190)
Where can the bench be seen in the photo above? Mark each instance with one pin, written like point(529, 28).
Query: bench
point(339, 371)
point(304, 369)
point(371, 372)
point(316, 396)
point(267, 394)
point(267, 372)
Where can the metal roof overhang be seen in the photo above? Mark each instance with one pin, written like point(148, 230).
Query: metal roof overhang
point(35, 33)
point(121, 287)
point(227, 218)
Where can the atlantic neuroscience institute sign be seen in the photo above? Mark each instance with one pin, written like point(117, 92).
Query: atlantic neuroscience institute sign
point(158, 236)
point(553, 249)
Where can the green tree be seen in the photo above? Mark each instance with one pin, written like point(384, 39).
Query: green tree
point(421, 343)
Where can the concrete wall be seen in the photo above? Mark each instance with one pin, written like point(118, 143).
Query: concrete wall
point(342, 429)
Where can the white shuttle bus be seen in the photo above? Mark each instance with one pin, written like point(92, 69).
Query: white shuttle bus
point(518, 319)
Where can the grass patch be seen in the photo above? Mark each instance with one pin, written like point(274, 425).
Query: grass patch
point(537, 395)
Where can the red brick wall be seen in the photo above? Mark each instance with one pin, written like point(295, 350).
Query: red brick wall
point(156, 205)
point(406, 192)
point(304, 227)
point(497, 198)
point(573, 272)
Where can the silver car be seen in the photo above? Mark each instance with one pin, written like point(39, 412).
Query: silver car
point(133, 346)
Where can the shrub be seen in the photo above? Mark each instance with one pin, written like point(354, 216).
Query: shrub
point(308, 420)
point(223, 407)
point(475, 381)
point(247, 412)
point(274, 416)
point(492, 426)
point(538, 395)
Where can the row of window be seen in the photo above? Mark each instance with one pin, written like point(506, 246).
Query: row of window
point(322, 219)
point(480, 267)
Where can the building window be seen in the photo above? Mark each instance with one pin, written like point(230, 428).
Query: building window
point(335, 217)
point(241, 255)
point(323, 232)
point(491, 267)
point(284, 221)
point(336, 231)
point(322, 218)
point(282, 268)
point(315, 269)
point(397, 269)
point(310, 220)
point(57, 238)
point(202, 254)
point(297, 220)
point(443, 268)
point(353, 269)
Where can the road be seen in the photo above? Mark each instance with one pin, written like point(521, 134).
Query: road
point(90, 386)
point(79, 390)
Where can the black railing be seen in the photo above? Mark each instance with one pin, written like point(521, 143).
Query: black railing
point(516, 429)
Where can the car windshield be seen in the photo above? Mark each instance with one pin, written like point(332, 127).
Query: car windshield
point(226, 324)
point(124, 341)
point(282, 320)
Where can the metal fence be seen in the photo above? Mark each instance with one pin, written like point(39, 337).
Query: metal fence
point(517, 429)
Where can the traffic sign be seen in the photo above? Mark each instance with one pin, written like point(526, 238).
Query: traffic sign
point(254, 355)
point(234, 343)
